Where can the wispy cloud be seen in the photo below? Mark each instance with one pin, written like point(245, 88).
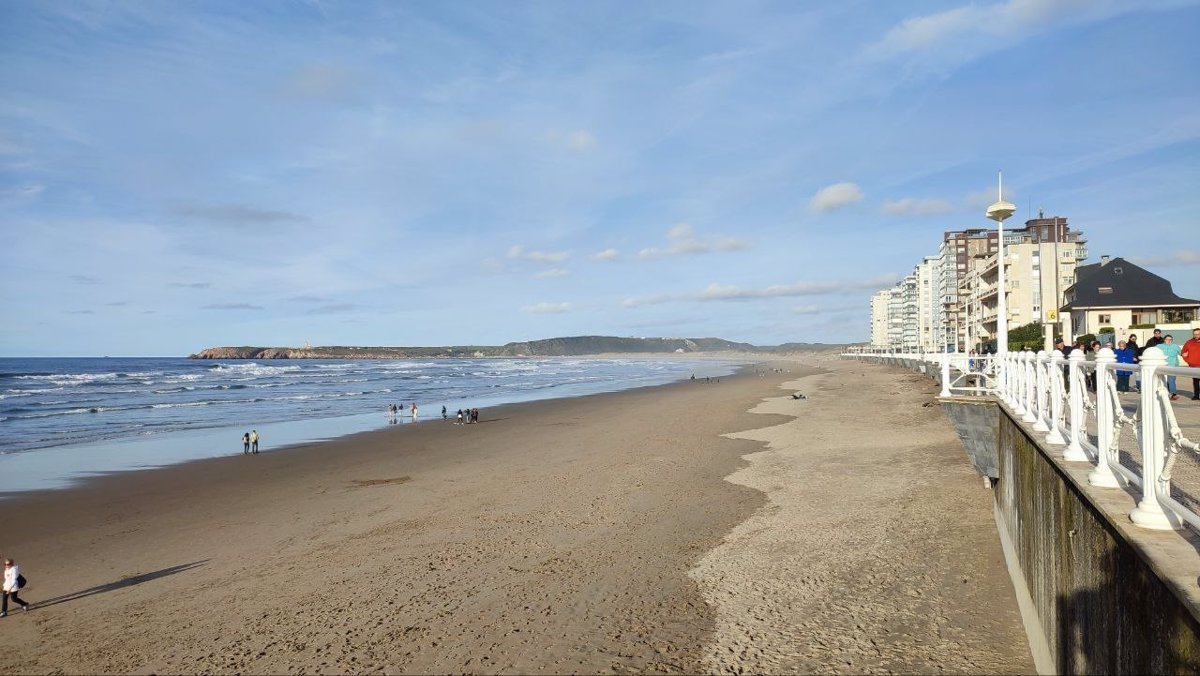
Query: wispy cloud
point(190, 285)
point(322, 82)
point(85, 279)
point(548, 308)
point(682, 240)
point(237, 214)
point(579, 141)
point(333, 309)
point(80, 312)
point(608, 255)
point(914, 206)
point(718, 292)
point(940, 42)
point(552, 273)
point(518, 252)
point(1174, 259)
point(233, 306)
point(836, 196)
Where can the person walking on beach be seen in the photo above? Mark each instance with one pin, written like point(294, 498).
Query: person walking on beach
point(1191, 356)
point(13, 581)
point(246, 444)
point(444, 412)
point(254, 442)
point(460, 417)
point(475, 415)
point(414, 412)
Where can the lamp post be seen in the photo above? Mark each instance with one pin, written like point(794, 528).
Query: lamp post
point(999, 212)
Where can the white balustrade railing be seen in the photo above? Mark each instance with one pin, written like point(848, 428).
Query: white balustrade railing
point(1051, 394)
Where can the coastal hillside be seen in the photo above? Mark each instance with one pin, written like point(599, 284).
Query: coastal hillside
point(550, 347)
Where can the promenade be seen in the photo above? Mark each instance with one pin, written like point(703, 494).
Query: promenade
point(589, 535)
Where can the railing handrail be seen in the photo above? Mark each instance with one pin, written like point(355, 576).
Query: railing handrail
point(1050, 392)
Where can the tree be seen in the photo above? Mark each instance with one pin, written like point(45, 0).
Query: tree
point(1029, 334)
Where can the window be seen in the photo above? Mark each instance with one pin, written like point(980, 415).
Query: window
point(1104, 318)
point(1104, 290)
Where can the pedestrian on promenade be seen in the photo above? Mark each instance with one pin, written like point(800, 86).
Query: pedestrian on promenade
point(254, 442)
point(1124, 356)
point(1155, 340)
point(13, 581)
point(1191, 356)
point(1172, 352)
point(1094, 349)
point(1132, 344)
point(246, 444)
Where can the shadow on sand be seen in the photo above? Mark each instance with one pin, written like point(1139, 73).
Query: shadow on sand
point(131, 581)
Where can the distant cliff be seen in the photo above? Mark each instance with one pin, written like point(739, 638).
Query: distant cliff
point(550, 347)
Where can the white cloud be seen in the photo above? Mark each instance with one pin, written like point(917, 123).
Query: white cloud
point(607, 255)
point(518, 252)
point(552, 273)
point(548, 308)
point(915, 206)
point(808, 309)
point(836, 196)
point(683, 240)
point(1175, 259)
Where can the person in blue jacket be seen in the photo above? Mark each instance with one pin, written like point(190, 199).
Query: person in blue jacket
point(1125, 355)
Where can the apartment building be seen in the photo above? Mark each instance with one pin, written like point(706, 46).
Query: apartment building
point(950, 300)
point(1039, 265)
point(879, 318)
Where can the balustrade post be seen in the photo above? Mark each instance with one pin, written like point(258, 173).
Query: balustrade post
point(1056, 398)
point(946, 374)
point(1106, 415)
point(1039, 392)
point(1075, 427)
point(1016, 372)
point(1150, 513)
point(1028, 415)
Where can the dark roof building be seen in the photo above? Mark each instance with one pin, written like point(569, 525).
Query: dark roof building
point(1119, 283)
point(1116, 295)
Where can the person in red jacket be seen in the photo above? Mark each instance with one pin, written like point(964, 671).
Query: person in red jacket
point(1191, 355)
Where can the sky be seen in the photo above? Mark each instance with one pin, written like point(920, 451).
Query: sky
point(180, 175)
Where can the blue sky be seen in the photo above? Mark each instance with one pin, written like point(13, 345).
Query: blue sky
point(181, 175)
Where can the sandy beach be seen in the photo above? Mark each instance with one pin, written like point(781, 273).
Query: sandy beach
point(595, 534)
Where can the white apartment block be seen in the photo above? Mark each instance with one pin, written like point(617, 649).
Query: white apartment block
point(950, 300)
point(879, 318)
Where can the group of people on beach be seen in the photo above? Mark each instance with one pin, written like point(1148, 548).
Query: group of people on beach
point(395, 411)
point(471, 415)
point(14, 581)
point(250, 443)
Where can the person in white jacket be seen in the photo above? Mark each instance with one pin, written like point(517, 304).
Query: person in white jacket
point(11, 572)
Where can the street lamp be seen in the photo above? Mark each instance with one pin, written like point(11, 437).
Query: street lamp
point(998, 212)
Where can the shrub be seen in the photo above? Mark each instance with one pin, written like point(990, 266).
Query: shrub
point(1107, 329)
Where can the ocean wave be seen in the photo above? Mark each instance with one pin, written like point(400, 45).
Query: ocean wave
point(253, 369)
point(67, 379)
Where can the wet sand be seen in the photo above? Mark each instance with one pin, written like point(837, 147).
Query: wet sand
point(595, 534)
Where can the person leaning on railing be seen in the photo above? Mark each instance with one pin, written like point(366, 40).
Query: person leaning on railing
point(1191, 354)
point(1171, 351)
point(1125, 355)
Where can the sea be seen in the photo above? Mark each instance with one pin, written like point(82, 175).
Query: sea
point(65, 419)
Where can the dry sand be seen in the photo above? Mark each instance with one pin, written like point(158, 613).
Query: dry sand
point(595, 534)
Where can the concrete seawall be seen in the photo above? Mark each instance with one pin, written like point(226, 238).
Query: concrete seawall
point(1099, 594)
